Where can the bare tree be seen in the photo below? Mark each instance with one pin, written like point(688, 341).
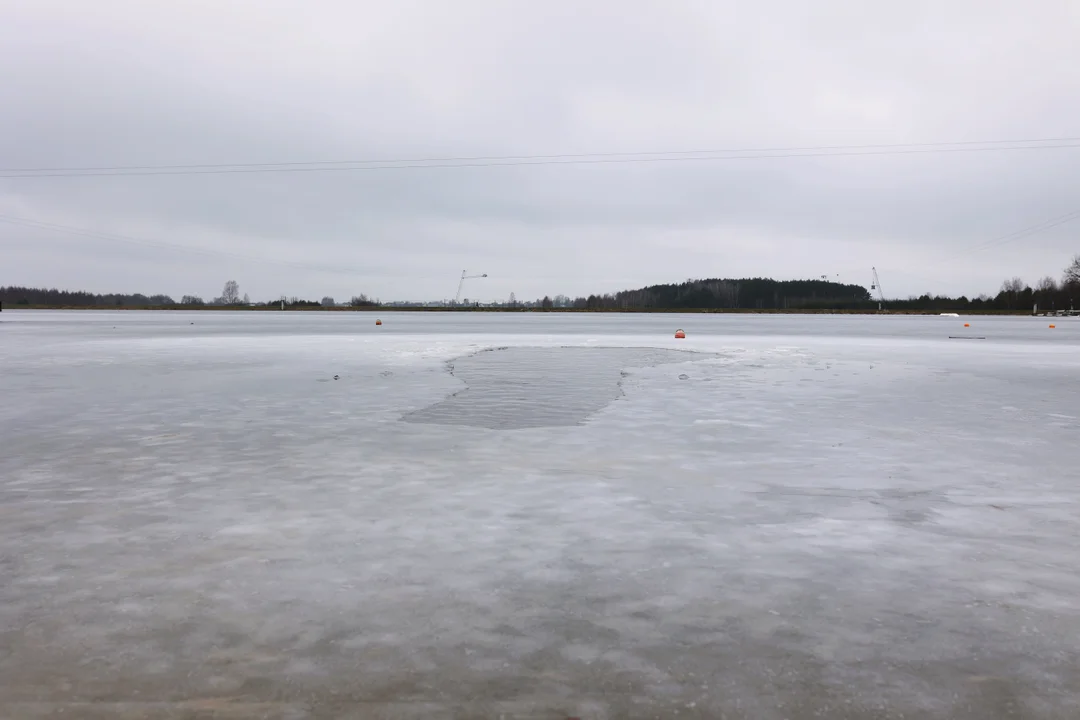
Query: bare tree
point(191, 300)
point(1011, 290)
point(247, 300)
point(1013, 286)
point(1047, 285)
point(513, 300)
point(1072, 273)
point(231, 294)
point(547, 303)
point(328, 301)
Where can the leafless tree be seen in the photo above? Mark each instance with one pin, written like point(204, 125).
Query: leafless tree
point(1047, 285)
point(1015, 285)
point(231, 294)
point(1072, 273)
point(363, 300)
point(1011, 290)
point(328, 301)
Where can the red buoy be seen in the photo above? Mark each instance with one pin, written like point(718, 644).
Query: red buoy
point(679, 335)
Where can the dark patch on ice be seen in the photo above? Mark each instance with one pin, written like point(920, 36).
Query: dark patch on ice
point(910, 507)
point(528, 387)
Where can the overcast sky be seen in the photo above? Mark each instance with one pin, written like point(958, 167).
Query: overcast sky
point(136, 83)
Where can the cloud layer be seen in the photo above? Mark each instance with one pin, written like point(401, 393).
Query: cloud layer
point(263, 81)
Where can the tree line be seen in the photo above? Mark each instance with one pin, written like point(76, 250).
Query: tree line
point(728, 293)
point(44, 297)
point(18, 296)
point(1049, 294)
point(1014, 295)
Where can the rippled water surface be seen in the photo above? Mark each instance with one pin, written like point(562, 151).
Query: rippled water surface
point(303, 515)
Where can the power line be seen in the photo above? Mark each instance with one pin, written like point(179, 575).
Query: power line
point(1017, 234)
point(478, 158)
point(615, 158)
point(1028, 232)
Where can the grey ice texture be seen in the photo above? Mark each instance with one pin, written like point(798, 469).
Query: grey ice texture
point(830, 517)
point(513, 388)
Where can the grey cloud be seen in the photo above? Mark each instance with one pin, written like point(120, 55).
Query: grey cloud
point(236, 82)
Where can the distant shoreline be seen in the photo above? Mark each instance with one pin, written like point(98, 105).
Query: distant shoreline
point(627, 311)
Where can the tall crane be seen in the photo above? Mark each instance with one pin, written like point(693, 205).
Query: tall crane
point(876, 285)
point(465, 276)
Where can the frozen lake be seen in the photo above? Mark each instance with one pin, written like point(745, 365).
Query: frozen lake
point(538, 516)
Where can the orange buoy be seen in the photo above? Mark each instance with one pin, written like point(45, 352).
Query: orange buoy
point(378, 322)
point(967, 324)
point(679, 334)
point(1053, 326)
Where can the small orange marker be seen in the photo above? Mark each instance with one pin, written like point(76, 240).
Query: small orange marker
point(1053, 326)
point(378, 322)
point(967, 324)
point(679, 335)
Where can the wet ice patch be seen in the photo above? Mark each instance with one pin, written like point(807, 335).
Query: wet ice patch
point(530, 387)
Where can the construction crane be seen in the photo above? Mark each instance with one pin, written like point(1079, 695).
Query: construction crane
point(465, 276)
point(876, 285)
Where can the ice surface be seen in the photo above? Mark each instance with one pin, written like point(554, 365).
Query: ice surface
point(829, 517)
point(523, 387)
